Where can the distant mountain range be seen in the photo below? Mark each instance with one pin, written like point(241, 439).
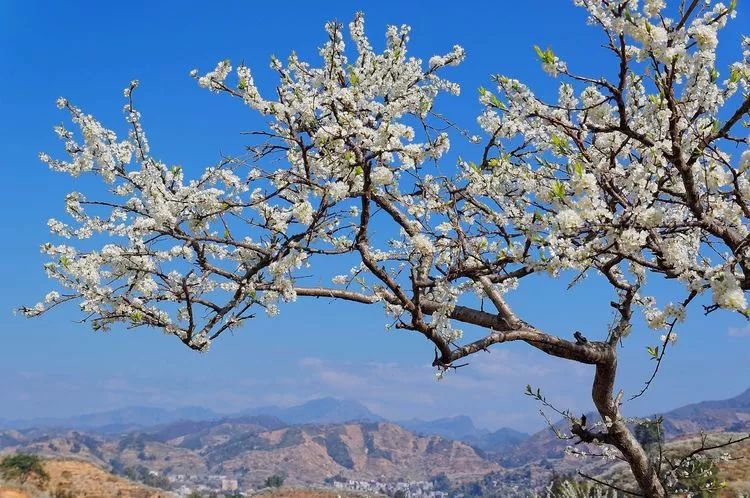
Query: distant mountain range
point(324, 439)
point(115, 421)
point(318, 411)
point(726, 415)
point(462, 428)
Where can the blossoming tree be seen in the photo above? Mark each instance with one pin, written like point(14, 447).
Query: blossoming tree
point(642, 176)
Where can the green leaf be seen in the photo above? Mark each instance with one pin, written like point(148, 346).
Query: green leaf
point(653, 351)
point(578, 168)
point(482, 91)
point(358, 170)
point(353, 78)
point(558, 189)
point(546, 56)
point(734, 76)
point(560, 144)
point(549, 56)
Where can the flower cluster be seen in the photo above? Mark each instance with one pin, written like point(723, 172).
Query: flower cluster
point(627, 178)
point(345, 131)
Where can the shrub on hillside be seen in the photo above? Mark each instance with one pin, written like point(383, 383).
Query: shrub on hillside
point(23, 467)
point(275, 481)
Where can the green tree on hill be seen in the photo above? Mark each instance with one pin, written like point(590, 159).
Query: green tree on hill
point(23, 467)
point(275, 481)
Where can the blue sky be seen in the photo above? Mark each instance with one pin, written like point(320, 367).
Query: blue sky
point(89, 51)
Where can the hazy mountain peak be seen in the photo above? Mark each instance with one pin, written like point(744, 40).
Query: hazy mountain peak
point(119, 419)
point(326, 410)
point(454, 427)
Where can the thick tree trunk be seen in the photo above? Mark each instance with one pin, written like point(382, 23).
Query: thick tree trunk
point(640, 465)
point(620, 435)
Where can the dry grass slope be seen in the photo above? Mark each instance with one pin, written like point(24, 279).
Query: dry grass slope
point(12, 493)
point(81, 479)
point(736, 472)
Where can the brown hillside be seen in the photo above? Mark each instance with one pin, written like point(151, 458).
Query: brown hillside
point(83, 479)
point(80, 479)
point(736, 472)
point(363, 451)
point(12, 493)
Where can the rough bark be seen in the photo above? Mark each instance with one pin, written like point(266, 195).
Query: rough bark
point(619, 435)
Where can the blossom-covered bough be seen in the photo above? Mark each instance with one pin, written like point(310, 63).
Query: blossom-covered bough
point(644, 175)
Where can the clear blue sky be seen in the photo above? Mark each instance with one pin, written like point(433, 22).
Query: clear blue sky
point(89, 51)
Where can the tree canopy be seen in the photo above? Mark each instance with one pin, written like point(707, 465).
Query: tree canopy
point(23, 467)
point(637, 178)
